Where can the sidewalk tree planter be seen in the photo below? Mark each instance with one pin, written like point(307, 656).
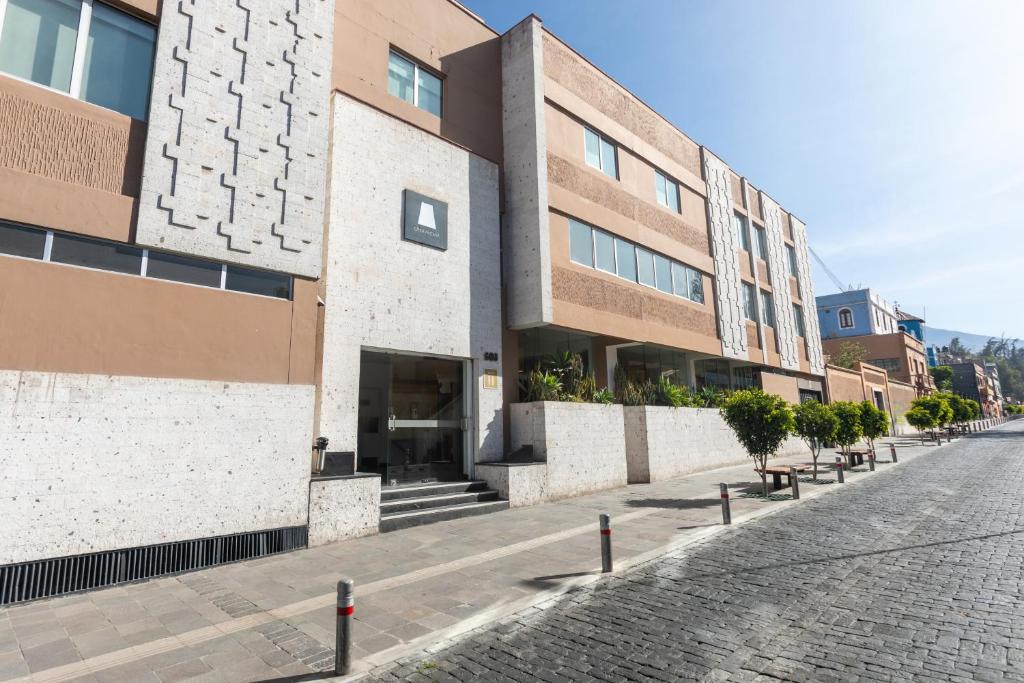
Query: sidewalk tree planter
point(761, 422)
point(816, 424)
point(874, 422)
point(850, 429)
point(921, 420)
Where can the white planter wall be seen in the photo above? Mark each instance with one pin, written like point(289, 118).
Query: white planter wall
point(343, 507)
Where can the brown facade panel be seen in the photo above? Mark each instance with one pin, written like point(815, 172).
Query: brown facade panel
point(585, 81)
point(736, 187)
point(844, 385)
point(594, 188)
point(781, 385)
point(67, 319)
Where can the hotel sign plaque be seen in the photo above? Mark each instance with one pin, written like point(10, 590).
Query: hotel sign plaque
point(424, 220)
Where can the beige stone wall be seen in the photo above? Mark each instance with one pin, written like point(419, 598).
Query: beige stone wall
point(343, 507)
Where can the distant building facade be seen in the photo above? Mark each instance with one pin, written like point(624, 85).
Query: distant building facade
point(855, 313)
point(971, 380)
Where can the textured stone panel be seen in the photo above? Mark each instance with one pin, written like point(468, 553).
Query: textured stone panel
point(626, 300)
point(605, 193)
point(343, 507)
point(236, 154)
point(385, 293)
point(725, 246)
point(585, 81)
point(95, 462)
point(61, 145)
point(521, 484)
point(527, 248)
point(815, 356)
point(785, 324)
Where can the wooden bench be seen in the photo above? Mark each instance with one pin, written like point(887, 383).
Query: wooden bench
point(778, 470)
point(854, 458)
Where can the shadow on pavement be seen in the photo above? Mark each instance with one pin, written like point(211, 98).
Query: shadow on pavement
point(673, 503)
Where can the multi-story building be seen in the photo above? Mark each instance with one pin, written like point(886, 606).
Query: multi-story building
point(228, 230)
point(971, 380)
point(628, 242)
point(855, 313)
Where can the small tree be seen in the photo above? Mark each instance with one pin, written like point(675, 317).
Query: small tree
point(937, 406)
point(815, 424)
point(849, 354)
point(761, 422)
point(874, 422)
point(943, 376)
point(921, 420)
point(975, 408)
point(850, 429)
point(962, 410)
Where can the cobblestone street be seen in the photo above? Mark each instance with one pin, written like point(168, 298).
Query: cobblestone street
point(914, 575)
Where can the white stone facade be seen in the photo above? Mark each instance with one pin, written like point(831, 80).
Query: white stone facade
point(236, 153)
point(521, 484)
point(93, 462)
point(785, 323)
point(725, 247)
point(671, 442)
point(815, 355)
point(343, 507)
point(387, 294)
point(527, 241)
point(583, 444)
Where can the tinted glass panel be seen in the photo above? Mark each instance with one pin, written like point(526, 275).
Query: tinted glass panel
point(181, 269)
point(798, 316)
point(626, 259)
point(608, 161)
point(679, 279)
point(696, 286)
point(429, 93)
point(645, 267)
point(18, 241)
point(741, 229)
point(78, 251)
point(593, 147)
point(673, 196)
point(663, 273)
point(762, 244)
point(38, 41)
point(767, 310)
point(748, 301)
point(400, 77)
point(581, 248)
point(604, 249)
point(118, 62)
point(659, 188)
point(791, 252)
point(258, 282)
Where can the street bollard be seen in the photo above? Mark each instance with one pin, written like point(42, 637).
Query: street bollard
point(723, 490)
point(606, 543)
point(892, 452)
point(839, 469)
point(343, 628)
point(871, 460)
point(794, 483)
point(949, 436)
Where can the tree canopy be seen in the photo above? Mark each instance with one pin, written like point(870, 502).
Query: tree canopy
point(761, 423)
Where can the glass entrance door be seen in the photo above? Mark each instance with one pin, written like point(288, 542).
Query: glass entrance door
point(412, 418)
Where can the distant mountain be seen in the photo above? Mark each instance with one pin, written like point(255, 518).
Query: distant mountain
point(939, 337)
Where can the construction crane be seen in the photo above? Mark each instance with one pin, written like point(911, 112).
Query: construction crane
point(831, 275)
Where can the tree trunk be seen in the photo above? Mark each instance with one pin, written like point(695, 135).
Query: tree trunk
point(815, 460)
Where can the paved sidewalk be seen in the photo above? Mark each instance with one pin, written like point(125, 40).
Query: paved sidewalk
point(273, 618)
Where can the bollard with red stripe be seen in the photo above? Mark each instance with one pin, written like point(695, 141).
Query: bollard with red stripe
point(839, 469)
point(723, 491)
point(343, 628)
point(892, 451)
point(606, 543)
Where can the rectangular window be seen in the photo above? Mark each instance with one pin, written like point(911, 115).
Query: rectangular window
point(667, 191)
point(798, 317)
point(740, 223)
point(79, 251)
point(258, 282)
point(600, 153)
point(182, 269)
point(696, 285)
point(604, 251)
point(112, 68)
point(767, 309)
point(791, 260)
point(625, 259)
point(663, 273)
point(581, 243)
point(679, 281)
point(419, 87)
point(645, 267)
point(18, 241)
point(749, 306)
point(762, 243)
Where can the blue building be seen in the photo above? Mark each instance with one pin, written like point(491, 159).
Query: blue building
point(911, 324)
point(854, 314)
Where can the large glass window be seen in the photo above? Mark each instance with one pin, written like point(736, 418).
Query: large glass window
point(625, 259)
point(258, 282)
point(183, 269)
point(762, 243)
point(696, 291)
point(749, 305)
point(667, 191)
point(80, 251)
point(118, 62)
point(604, 251)
point(798, 317)
point(643, 362)
point(767, 309)
point(663, 273)
point(712, 372)
point(581, 243)
point(16, 240)
point(645, 267)
point(409, 81)
point(740, 224)
point(600, 153)
point(112, 68)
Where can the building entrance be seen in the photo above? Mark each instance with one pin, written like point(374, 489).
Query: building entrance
point(412, 418)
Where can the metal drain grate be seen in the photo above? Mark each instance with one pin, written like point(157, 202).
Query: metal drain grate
point(47, 578)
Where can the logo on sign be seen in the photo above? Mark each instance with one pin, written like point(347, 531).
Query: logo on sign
point(425, 220)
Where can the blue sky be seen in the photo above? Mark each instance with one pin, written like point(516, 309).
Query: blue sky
point(895, 130)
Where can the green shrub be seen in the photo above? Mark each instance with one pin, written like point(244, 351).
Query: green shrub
point(761, 423)
point(671, 395)
point(921, 420)
point(638, 394)
point(605, 396)
point(937, 406)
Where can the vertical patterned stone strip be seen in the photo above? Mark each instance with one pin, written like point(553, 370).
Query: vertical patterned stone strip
point(803, 265)
point(236, 151)
point(785, 325)
point(725, 250)
point(527, 245)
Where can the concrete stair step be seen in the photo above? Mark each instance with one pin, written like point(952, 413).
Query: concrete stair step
point(404, 520)
point(434, 489)
point(436, 501)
